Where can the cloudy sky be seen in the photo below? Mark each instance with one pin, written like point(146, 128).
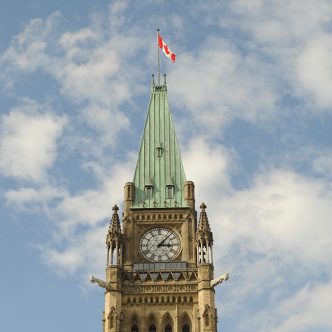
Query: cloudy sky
point(251, 97)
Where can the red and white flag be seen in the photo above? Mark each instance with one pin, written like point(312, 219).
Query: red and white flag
point(166, 49)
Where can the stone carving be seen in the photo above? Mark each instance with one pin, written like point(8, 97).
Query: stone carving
point(219, 280)
point(156, 299)
point(159, 289)
point(101, 283)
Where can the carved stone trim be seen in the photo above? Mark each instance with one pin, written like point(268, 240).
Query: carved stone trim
point(176, 288)
point(159, 217)
point(158, 300)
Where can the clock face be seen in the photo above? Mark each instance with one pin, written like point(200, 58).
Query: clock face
point(160, 244)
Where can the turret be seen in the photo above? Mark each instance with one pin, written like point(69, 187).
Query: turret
point(114, 240)
point(204, 238)
point(189, 193)
point(129, 195)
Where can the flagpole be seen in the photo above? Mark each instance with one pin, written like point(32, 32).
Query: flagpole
point(158, 57)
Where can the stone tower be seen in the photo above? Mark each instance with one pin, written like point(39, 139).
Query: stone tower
point(159, 266)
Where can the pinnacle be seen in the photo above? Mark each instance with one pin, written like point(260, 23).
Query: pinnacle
point(203, 219)
point(115, 209)
point(204, 229)
point(114, 230)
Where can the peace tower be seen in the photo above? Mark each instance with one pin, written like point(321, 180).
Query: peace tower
point(159, 259)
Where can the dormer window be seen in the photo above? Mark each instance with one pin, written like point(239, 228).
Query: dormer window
point(148, 191)
point(148, 188)
point(169, 188)
point(170, 191)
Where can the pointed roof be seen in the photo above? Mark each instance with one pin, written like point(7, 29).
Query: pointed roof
point(159, 166)
point(204, 230)
point(114, 230)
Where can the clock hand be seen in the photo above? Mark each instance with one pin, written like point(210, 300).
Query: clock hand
point(161, 243)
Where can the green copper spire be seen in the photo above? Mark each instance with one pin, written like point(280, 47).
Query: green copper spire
point(159, 174)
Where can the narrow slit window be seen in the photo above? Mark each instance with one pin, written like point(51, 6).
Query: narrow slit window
point(170, 191)
point(149, 191)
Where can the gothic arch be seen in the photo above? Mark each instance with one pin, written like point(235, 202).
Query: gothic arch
point(151, 323)
point(112, 318)
point(167, 324)
point(185, 323)
point(134, 323)
point(207, 316)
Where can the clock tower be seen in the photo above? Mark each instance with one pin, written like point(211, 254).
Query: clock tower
point(159, 265)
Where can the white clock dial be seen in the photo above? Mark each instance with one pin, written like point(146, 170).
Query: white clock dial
point(160, 244)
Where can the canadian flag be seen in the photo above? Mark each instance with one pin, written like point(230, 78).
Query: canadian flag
point(166, 49)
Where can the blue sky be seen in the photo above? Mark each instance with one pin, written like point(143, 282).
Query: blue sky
point(251, 97)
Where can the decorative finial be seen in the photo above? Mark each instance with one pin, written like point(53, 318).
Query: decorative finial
point(203, 206)
point(152, 79)
point(165, 79)
point(115, 209)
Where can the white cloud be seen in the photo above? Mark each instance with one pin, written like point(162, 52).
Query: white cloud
point(35, 200)
point(86, 252)
point(216, 86)
point(109, 124)
point(322, 164)
point(29, 142)
point(285, 212)
point(296, 36)
point(273, 238)
point(91, 63)
point(314, 69)
point(208, 166)
point(79, 228)
point(285, 51)
point(308, 309)
point(92, 66)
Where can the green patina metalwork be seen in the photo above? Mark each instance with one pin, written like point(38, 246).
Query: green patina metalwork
point(159, 174)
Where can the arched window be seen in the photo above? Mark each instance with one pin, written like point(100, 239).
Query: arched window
point(206, 315)
point(152, 328)
point(185, 322)
point(185, 328)
point(168, 328)
point(167, 323)
point(134, 328)
point(206, 319)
